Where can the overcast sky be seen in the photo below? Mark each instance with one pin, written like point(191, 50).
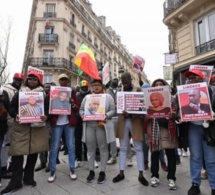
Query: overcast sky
point(138, 22)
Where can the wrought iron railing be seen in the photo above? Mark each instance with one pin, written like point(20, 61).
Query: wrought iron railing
point(43, 37)
point(53, 62)
point(72, 45)
point(205, 47)
point(49, 14)
point(171, 5)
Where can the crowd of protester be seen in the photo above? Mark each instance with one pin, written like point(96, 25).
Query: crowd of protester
point(83, 140)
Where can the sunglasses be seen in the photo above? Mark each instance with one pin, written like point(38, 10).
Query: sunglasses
point(33, 79)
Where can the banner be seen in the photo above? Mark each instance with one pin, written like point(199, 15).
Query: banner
point(106, 73)
point(94, 108)
point(194, 102)
point(31, 107)
point(158, 101)
point(139, 64)
point(59, 100)
point(131, 102)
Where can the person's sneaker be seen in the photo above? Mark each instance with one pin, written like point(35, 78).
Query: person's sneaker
point(184, 154)
point(204, 174)
point(164, 167)
point(91, 177)
point(194, 190)
point(212, 191)
point(72, 175)
point(154, 181)
point(146, 166)
point(30, 183)
point(118, 178)
point(112, 161)
point(52, 177)
point(179, 152)
point(96, 165)
point(40, 167)
point(129, 162)
point(78, 164)
point(171, 184)
point(11, 188)
point(143, 181)
point(101, 178)
point(0, 185)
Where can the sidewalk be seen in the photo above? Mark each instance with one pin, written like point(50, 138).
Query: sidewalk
point(63, 185)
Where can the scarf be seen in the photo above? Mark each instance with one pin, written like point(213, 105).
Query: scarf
point(155, 135)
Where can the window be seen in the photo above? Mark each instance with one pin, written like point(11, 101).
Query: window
point(83, 28)
point(205, 29)
point(49, 34)
point(50, 11)
point(48, 57)
point(72, 20)
point(48, 79)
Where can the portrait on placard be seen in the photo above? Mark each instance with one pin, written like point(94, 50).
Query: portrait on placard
point(59, 100)
point(194, 102)
point(31, 106)
point(158, 101)
point(94, 107)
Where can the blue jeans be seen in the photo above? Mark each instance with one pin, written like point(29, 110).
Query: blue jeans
point(198, 147)
point(55, 143)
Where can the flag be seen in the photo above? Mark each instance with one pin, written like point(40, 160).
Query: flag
point(85, 60)
point(80, 72)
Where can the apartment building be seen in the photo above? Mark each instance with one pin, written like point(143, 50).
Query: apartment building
point(191, 25)
point(57, 29)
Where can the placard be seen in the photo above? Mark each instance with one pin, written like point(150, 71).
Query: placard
point(94, 108)
point(194, 102)
point(158, 101)
point(31, 107)
point(59, 100)
point(131, 102)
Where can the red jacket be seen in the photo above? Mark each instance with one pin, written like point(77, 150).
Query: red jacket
point(73, 118)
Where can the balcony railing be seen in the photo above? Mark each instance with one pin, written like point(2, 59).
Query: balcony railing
point(171, 5)
point(49, 14)
point(49, 38)
point(54, 62)
point(84, 34)
point(205, 47)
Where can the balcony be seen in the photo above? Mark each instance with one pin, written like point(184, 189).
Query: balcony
point(49, 14)
point(171, 5)
point(48, 39)
point(53, 63)
point(96, 45)
point(73, 23)
point(89, 39)
point(205, 47)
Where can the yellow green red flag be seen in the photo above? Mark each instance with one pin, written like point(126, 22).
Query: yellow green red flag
point(85, 60)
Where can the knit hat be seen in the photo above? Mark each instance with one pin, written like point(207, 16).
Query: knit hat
point(145, 85)
point(61, 76)
point(84, 83)
point(19, 76)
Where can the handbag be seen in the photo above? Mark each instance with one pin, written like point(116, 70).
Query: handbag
point(209, 134)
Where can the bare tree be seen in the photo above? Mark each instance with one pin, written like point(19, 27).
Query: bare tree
point(4, 46)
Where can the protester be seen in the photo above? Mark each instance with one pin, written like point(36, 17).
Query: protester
point(98, 132)
point(66, 124)
point(130, 124)
point(162, 135)
point(4, 106)
point(11, 89)
point(26, 139)
point(84, 90)
point(112, 90)
point(198, 146)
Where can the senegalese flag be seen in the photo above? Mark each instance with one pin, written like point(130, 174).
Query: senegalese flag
point(85, 61)
point(80, 72)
